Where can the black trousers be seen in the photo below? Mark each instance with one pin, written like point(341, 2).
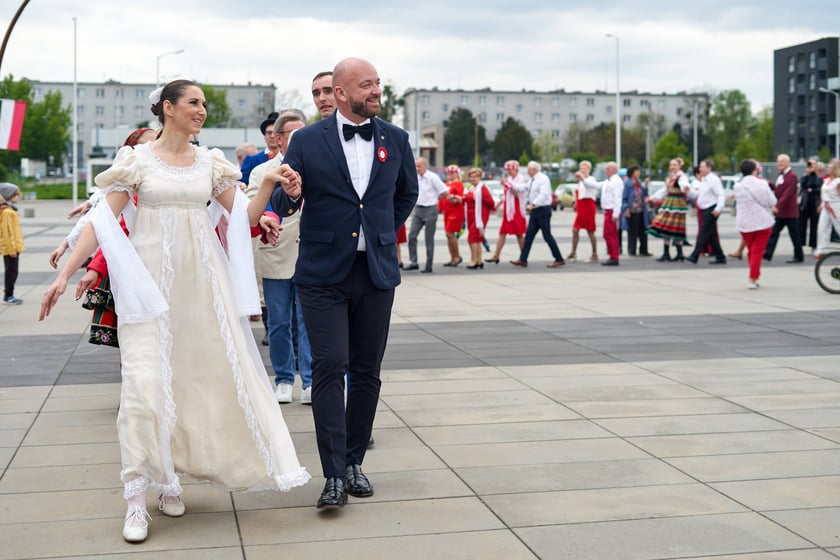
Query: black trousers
point(792, 224)
point(540, 220)
point(808, 214)
point(348, 326)
point(707, 236)
point(10, 275)
point(636, 233)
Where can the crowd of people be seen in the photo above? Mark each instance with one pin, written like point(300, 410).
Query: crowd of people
point(176, 269)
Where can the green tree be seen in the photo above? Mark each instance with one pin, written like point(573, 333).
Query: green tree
point(390, 102)
point(46, 126)
point(746, 148)
point(546, 147)
point(218, 110)
point(462, 134)
point(761, 133)
point(729, 120)
point(511, 141)
point(667, 148)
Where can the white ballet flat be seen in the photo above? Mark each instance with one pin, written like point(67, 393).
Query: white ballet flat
point(176, 509)
point(136, 527)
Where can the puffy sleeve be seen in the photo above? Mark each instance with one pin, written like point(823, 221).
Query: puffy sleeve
point(123, 175)
point(225, 174)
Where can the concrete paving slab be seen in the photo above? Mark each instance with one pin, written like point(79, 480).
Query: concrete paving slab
point(754, 466)
point(738, 442)
point(819, 526)
point(787, 493)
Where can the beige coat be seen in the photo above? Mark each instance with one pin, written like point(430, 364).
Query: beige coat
point(275, 262)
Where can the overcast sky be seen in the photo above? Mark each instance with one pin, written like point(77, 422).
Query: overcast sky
point(665, 46)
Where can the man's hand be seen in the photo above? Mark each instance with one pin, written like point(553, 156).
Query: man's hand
point(272, 229)
point(715, 213)
point(290, 179)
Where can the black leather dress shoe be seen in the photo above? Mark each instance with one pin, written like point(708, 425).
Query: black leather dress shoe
point(426, 270)
point(792, 261)
point(358, 484)
point(334, 495)
point(411, 267)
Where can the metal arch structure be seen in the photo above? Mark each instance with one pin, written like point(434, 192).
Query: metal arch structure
point(9, 30)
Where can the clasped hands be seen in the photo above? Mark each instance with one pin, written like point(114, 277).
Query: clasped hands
point(288, 178)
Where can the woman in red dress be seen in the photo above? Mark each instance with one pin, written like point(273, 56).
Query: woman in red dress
point(479, 202)
point(513, 208)
point(585, 209)
point(452, 207)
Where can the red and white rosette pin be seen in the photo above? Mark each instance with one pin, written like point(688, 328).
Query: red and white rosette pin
point(382, 154)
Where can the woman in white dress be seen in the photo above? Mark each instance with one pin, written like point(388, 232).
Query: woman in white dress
point(195, 396)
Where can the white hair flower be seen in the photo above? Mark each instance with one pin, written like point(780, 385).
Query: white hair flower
point(154, 97)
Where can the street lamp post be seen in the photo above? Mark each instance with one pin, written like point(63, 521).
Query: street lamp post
point(695, 106)
point(617, 101)
point(836, 120)
point(157, 64)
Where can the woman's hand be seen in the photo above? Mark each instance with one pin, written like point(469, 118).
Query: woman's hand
point(90, 279)
point(288, 178)
point(272, 229)
point(80, 210)
point(51, 296)
point(56, 255)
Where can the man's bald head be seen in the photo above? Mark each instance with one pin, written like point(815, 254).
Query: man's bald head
point(356, 88)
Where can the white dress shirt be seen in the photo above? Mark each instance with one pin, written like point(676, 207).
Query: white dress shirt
point(539, 190)
point(710, 193)
point(359, 155)
point(612, 190)
point(430, 187)
point(754, 201)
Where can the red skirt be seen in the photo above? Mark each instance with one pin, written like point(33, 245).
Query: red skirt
point(516, 226)
point(401, 236)
point(585, 210)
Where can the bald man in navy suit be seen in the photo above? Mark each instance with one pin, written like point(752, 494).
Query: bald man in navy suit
point(359, 183)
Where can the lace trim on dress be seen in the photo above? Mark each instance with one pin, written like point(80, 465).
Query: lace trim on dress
point(224, 184)
point(167, 277)
point(201, 222)
point(189, 170)
point(116, 187)
point(140, 485)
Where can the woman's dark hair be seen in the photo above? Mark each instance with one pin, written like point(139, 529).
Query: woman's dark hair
point(171, 92)
point(747, 167)
point(632, 169)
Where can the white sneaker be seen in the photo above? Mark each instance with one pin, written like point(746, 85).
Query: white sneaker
point(136, 527)
point(283, 393)
point(752, 286)
point(306, 396)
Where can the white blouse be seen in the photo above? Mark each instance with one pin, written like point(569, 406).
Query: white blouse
point(754, 202)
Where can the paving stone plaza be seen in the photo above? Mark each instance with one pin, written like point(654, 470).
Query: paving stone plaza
point(646, 411)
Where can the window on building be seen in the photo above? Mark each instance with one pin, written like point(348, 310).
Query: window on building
point(679, 111)
point(644, 103)
point(812, 60)
point(555, 133)
point(608, 109)
point(427, 116)
point(812, 125)
point(80, 110)
point(465, 100)
point(100, 92)
point(555, 101)
point(590, 101)
point(500, 100)
point(99, 125)
point(627, 102)
point(555, 117)
point(590, 117)
point(791, 106)
point(538, 101)
point(424, 99)
point(573, 102)
point(813, 100)
point(625, 118)
point(572, 117)
point(791, 64)
point(791, 85)
point(80, 92)
point(120, 110)
point(139, 93)
point(100, 110)
point(537, 131)
point(445, 108)
point(500, 117)
point(791, 127)
point(80, 127)
point(36, 92)
point(519, 107)
point(119, 93)
point(537, 118)
point(482, 100)
point(262, 96)
point(139, 111)
point(240, 103)
point(482, 117)
point(660, 103)
point(812, 82)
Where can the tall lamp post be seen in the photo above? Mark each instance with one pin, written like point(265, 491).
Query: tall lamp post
point(695, 106)
point(157, 64)
point(836, 120)
point(617, 101)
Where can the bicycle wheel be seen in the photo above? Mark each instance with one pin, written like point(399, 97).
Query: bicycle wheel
point(827, 272)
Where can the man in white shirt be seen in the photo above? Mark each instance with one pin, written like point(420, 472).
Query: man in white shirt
point(711, 201)
point(612, 190)
point(425, 213)
point(539, 205)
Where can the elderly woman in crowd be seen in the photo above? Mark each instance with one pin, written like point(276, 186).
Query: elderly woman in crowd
point(452, 207)
point(754, 219)
point(513, 208)
point(585, 209)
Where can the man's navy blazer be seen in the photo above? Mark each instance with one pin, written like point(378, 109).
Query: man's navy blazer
point(334, 214)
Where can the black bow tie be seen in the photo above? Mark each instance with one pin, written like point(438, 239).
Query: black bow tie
point(365, 131)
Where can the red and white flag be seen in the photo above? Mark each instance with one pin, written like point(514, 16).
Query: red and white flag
point(11, 123)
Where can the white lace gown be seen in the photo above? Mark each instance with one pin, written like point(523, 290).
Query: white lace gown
point(195, 397)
